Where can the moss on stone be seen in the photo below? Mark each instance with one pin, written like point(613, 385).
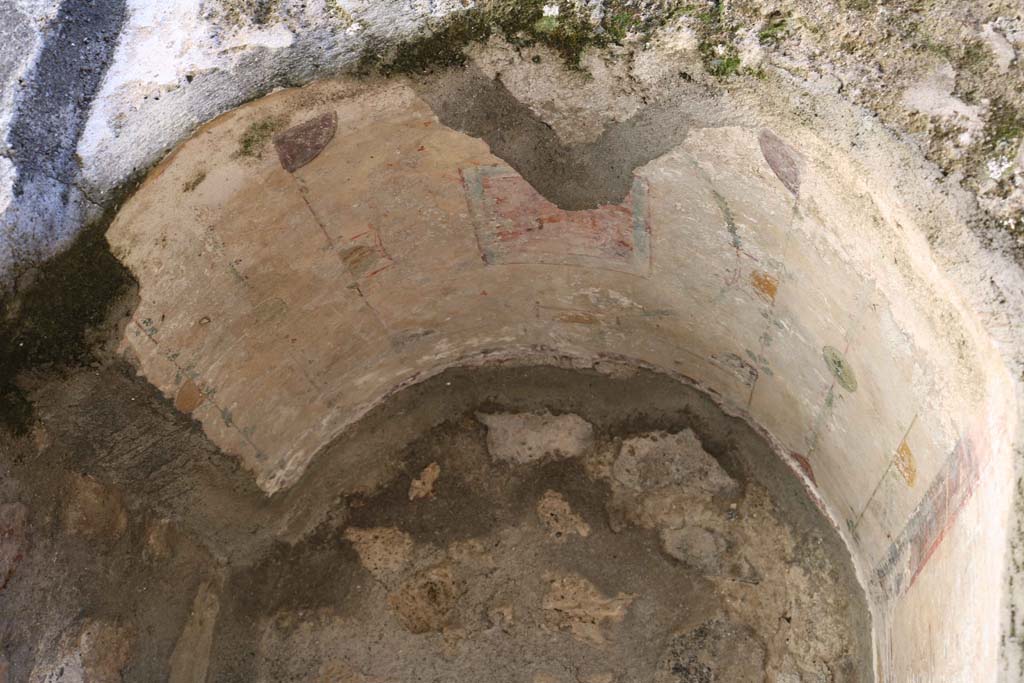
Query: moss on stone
point(774, 29)
point(759, 73)
point(257, 135)
point(194, 181)
point(720, 59)
point(571, 39)
point(1004, 130)
point(618, 25)
point(523, 24)
point(860, 5)
point(1005, 122)
point(974, 56)
point(257, 12)
point(718, 43)
point(546, 25)
point(929, 44)
point(339, 13)
point(620, 20)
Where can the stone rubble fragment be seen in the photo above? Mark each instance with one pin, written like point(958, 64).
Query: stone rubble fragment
point(423, 486)
point(574, 604)
point(658, 460)
point(558, 518)
point(521, 438)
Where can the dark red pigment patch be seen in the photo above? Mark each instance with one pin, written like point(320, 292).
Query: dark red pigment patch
point(300, 144)
point(949, 492)
point(782, 159)
point(516, 224)
point(805, 466)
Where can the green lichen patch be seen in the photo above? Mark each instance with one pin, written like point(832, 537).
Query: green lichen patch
point(718, 34)
point(256, 12)
point(974, 56)
point(622, 18)
point(546, 25)
point(521, 23)
point(47, 322)
point(860, 5)
point(619, 25)
point(840, 368)
point(644, 17)
point(572, 37)
point(720, 59)
point(774, 29)
point(1004, 130)
point(570, 31)
point(923, 41)
point(339, 13)
point(257, 135)
point(1004, 135)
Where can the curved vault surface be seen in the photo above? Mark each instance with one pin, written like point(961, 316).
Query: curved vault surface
point(302, 257)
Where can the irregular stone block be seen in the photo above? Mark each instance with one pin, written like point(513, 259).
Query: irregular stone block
point(520, 438)
point(657, 460)
point(558, 518)
point(574, 604)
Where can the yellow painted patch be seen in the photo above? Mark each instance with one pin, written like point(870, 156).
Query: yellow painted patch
point(905, 463)
point(578, 317)
point(767, 285)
